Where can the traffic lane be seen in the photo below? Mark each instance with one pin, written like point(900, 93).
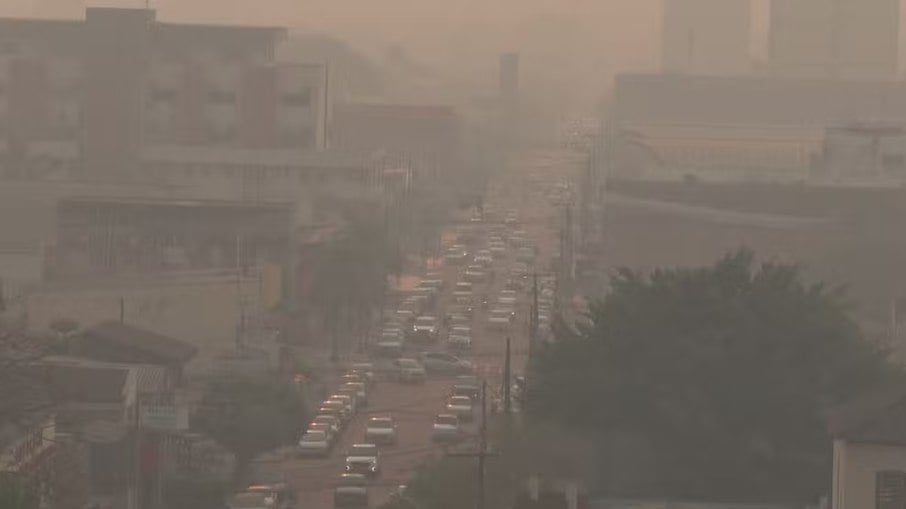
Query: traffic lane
point(414, 407)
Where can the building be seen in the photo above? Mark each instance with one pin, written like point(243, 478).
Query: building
point(869, 467)
point(426, 138)
point(706, 36)
point(743, 127)
point(89, 97)
point(851, 39)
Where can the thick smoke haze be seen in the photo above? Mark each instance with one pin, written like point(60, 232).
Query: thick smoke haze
point(575, 42)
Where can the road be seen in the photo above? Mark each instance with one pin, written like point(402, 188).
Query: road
point(414, 406)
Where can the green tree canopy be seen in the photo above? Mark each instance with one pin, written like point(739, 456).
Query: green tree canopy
point(723, 372)
point(250, 416)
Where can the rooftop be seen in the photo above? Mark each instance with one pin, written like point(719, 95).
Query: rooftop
point(166, 349)
point(875, 417)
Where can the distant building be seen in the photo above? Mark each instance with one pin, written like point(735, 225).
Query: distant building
point(425, 138)
point(851, 39)
point(706, 36)
point(745, 127)
point(91, 95)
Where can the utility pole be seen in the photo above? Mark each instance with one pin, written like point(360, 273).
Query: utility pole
point(507, 375)
point(483, 444)
point(482, 452)
point(533, 316)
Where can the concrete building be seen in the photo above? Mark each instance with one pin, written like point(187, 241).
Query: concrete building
point(706, 36)
point(850, 39)
point(869, 467)
point(89, 96)
point(745, 127)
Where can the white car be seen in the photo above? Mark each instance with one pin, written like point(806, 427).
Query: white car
point(507, 297)
point(499, 318)
point(314, 443)
point(484, 258)
point(381, 430)
point(461, 407)
point(459, 342)
point(410, 371)
point(363, 459)
point(446, 428)
point(462, 289)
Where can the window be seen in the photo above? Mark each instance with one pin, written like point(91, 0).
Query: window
point(890, 489)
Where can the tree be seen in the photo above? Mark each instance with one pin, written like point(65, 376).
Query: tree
point(720, 374)
point(250, 417)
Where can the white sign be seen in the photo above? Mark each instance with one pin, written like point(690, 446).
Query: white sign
point(164, 417)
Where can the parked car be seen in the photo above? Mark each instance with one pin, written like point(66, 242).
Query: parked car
point(446, 428)
point(336, 407)
point(361, 391)
point(475, 274)
point(381, 430)
point(410, 371)
point(507, 297)
point(442, 363)
point(364, 370)
point(314, 443)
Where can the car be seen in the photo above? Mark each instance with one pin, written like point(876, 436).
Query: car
point(456, 319)
point(405, 315)
point(469, 390)
point(363, 459)
point(315, 443)
point(388, 349)
point(346, 399)
point(458, 342)
point(330, 420)
point(461, 407)
point(320, 426)
point(381, 430)
point(336, 407)
point(425, 328)
point(260, 499)
point(365, 369)
point(484, 258)
point(507, 297)
point(463, 329)
point(497, 250)
point(475, 274)
point(455, 256)
point(500, 318)
point(466, 302)
point(410, 371)
point(392, 335)
point(436, 283)
point(463, 289)
point(351, 492)
point(460, 309)
point(277, 496)
point(446, 428)
point(352, 394)
point(361, 391)
point(441, 363)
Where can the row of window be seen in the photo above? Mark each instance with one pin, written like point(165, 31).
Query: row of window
point(260, 173)
point(302, 99)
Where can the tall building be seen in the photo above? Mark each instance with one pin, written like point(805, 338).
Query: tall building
point(849, 39)
point(706, 36)
point(101, 93)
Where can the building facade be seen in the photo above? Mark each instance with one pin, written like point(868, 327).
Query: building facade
point(706, 36)
point(92, 95)
point(850, 39)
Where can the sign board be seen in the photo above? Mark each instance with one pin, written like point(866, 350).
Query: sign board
point(164, 417)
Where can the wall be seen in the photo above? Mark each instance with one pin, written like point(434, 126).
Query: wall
point(857, 471)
